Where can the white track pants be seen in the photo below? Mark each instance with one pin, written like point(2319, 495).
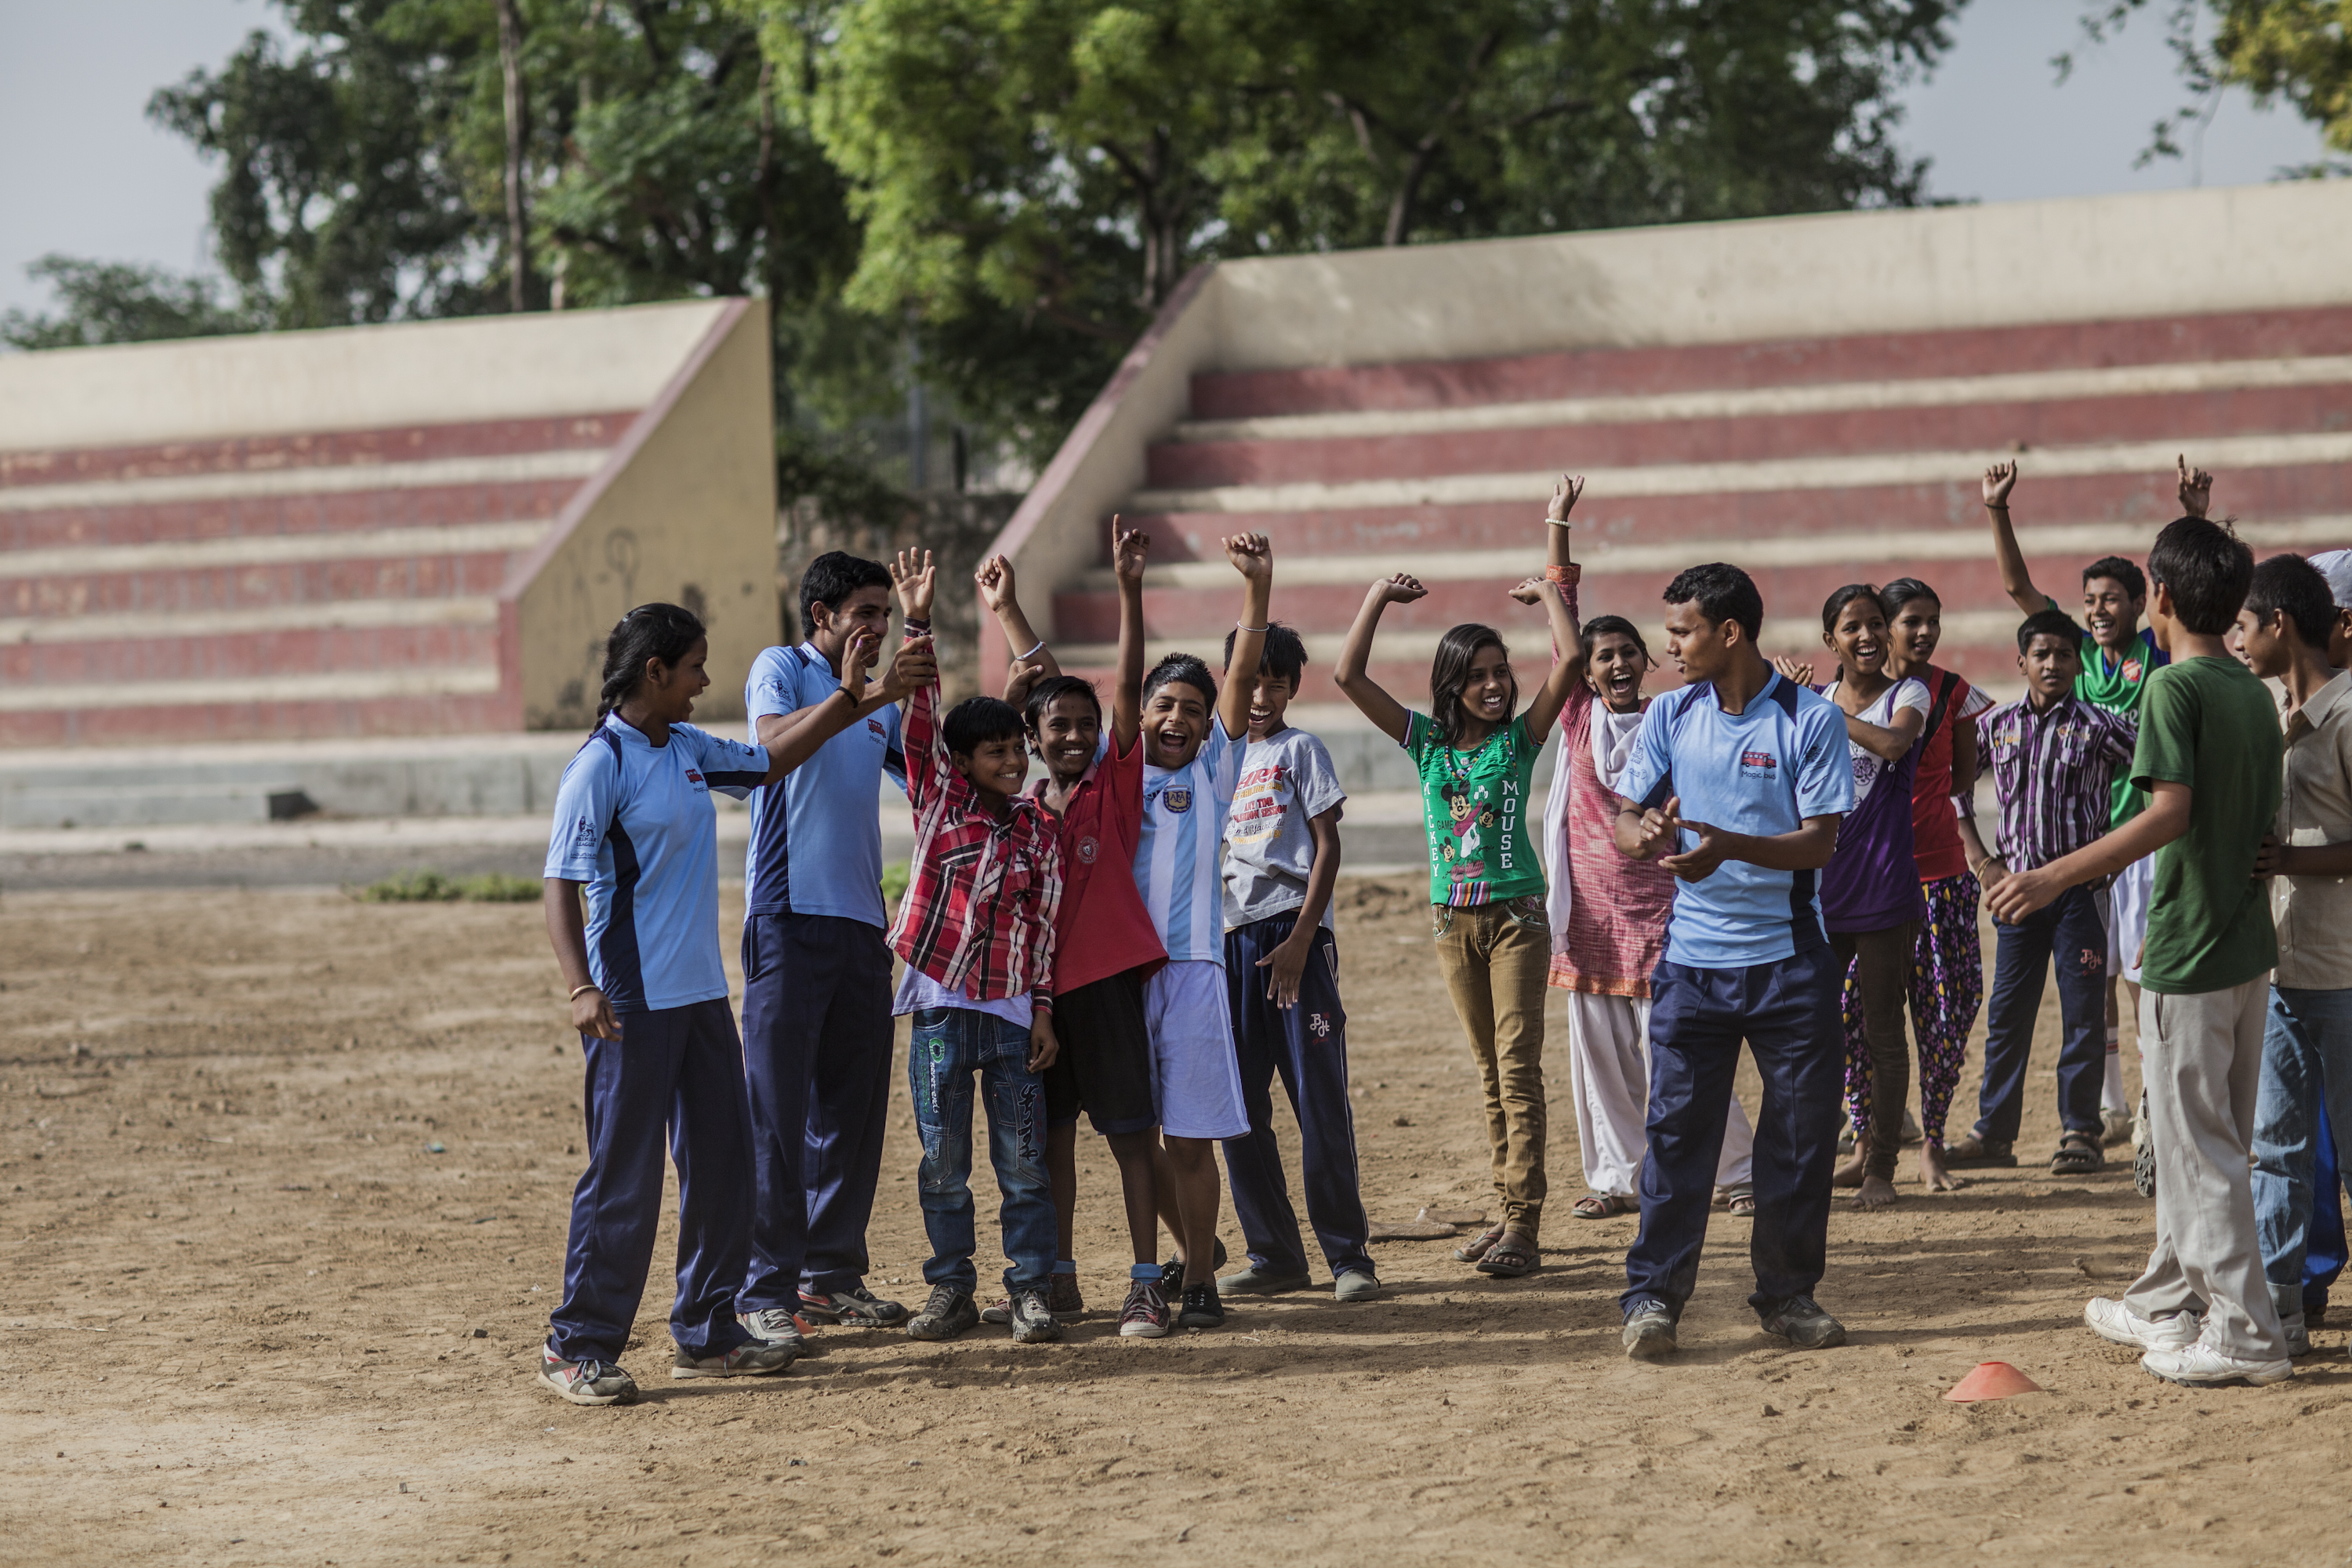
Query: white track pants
point(1609, 1074)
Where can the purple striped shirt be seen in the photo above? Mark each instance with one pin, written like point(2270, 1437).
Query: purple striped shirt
point(2051, 773)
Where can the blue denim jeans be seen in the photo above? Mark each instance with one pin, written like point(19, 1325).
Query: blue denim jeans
point(951, 1045)
point(2072, 930)
point(2306, 1060)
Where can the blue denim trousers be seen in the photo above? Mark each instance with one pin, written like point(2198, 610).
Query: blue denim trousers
point(2071, 930)
point(2306, 1062)
point(951, 1045)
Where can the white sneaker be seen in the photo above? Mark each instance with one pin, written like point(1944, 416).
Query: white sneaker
point(2199, 1365)
point(2113, 1322)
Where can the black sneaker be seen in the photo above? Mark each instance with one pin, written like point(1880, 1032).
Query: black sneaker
point(1649, 1332)
point(858, 1309)
point(947, 1313)
point(1172, 1273)
point(1201, 1310)
point(1800, 1321)
point(1032, 1320)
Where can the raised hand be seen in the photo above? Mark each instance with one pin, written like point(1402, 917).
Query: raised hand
point(1128, 547)
point(2196, 487)
point(1999, 480)
point(1251, 553)
point(1400, 588)
point(995, 579)
point(1799, 670)
point(914, 583)
point(915, 666)
point(1564, 497)
point(1528, 591)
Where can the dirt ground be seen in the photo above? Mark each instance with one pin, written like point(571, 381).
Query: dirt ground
point(248, 1314)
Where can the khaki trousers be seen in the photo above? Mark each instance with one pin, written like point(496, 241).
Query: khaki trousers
point(1496, 958)
point(2202, 1058)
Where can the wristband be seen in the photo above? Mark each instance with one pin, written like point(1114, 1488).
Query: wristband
point(1018, 657)
point(1559, 573)
point(591, 985)
point(1239, 628)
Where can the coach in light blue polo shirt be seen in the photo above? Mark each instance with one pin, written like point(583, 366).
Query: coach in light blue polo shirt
point(817, 1031)
point(1737, 784)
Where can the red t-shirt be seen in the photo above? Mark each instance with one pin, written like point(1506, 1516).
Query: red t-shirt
point(1102, 927)
point(1935, 831)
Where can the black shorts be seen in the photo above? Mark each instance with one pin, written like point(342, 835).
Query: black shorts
point(1105, 1065)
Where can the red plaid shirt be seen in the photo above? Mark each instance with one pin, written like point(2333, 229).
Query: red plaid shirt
point(978, 915)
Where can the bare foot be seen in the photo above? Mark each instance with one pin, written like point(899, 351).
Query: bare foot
point(1932, 1174)
point(1877, 1193)
point(1850, 1173)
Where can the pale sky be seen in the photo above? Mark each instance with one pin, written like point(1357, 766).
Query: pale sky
point(81, 171)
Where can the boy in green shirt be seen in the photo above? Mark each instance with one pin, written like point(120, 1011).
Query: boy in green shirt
point(2209, 757)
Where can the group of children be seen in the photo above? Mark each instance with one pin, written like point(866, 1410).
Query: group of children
point(1143, 935)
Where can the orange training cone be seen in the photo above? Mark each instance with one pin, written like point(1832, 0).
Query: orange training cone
point(1992, 1380)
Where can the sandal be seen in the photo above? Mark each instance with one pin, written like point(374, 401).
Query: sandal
point(1478, 1246)
point(1604, 1205)
point(1510, 1257)
point(2078, 1154)
point(1742, 1203)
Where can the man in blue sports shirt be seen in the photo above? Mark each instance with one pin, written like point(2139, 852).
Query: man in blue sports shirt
point(818, 1037)
point(1739, 782)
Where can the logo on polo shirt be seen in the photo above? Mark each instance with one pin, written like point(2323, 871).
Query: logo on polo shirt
point(874, 727)
point(693, 778)
point(584, 832)
point(1179, 801)
point(1755, 764)
point(1086, 850)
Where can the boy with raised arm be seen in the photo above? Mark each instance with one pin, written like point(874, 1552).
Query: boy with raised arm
point(2118, 654)
point(976, 930)
point(2207, 757)
point(1738, 782)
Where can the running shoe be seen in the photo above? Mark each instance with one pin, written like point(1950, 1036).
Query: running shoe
point(589, 1381)
point(853, 1308)
point(1201, 1310)
point(1032, 1320)
point(1800, 1321)
point(2200, 1365)
point(752, 1358)
point(775, 1326)
point(1063, 1299)
point(947, 1313)
point(1649, 1332)
point(1145, 1315)
point(2118, 1324)
point(1256, 1280)
point(1355, 1285)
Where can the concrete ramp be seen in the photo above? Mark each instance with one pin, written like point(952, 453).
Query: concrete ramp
point(416, 530)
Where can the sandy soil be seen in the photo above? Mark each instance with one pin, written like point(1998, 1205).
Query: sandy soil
point(247, 1316)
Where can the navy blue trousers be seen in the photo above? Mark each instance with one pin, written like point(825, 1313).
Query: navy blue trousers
point(1788, 1013)
point(1306, 1043)
point(2072, 929)
point(679, 1071)
point(2324, 1249)
point(818, 1042)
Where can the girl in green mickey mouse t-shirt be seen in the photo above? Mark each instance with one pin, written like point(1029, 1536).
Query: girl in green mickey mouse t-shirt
point(1476, 762)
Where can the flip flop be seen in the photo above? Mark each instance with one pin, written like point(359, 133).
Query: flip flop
point(1603, 1206)
point(1509, 1260)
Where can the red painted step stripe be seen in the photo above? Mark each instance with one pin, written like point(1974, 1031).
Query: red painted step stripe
point(251, 587)
point(1452, 383)
point(357, 511)
point(306, 651)
point(196, 722)
point(2167, 416)
point(337, 448)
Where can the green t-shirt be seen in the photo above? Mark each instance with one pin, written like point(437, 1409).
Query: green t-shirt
point(2208, 724)
point(2117, 685)
point(1474, 804)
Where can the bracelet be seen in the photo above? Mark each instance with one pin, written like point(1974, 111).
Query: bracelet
point(591, 985)
point(1239, 628)
point(1556, 521)
point(1018, 657)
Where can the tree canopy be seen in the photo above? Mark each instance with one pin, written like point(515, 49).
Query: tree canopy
point(1000, 191)
point(2296, 51)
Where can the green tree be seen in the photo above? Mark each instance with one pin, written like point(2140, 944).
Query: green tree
point(2299, 51)
point(116, 302)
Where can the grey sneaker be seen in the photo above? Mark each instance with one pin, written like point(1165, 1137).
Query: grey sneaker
point(855, 1309)
point(752, 1358)
point(1032, 1320)
point(586, 1382)
point(1256, 1281)
point(1801, 1323)
point(947, 1313)
point(774, 1326)
point(1355, 1285)
point(1649, 1332)
point(1063, 1299)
